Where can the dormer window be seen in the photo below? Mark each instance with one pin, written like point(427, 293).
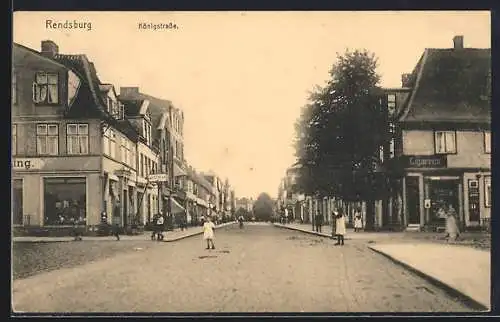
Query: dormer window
point(391, 103)
point(121, 111)
point(146, 130)
point(46, 88)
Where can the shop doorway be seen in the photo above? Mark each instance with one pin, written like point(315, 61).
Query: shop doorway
point(442, 194)
point(413, 200)
point(17, 202)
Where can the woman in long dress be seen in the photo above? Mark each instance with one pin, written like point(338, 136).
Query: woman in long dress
point(208, 233)
point(340, 227)
point(452, 230)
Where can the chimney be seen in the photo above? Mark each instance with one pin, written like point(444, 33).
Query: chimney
point(129, 91)
point(458, 42)
point(405, 80)
point(49, 48)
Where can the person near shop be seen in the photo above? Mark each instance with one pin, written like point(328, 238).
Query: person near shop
point(241, 220)
point(358, 221)
point(340, 229)
point(154, 228)
point(160, 226)
point(208, 233)
point(452, 230)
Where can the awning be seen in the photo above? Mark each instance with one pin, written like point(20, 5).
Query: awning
point(178, 171)
point(176, 207)
point(201, 202)
point(113, 177)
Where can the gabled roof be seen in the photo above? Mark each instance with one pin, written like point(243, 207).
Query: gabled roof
point(90, 101)
point(450, 85)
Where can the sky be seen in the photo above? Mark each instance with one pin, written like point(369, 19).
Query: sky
point(241, 78)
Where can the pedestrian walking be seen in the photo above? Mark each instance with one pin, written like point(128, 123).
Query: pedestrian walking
point(358, 221)
point(319, 222)
point(452, 230)
point(340, 229)
point(154, 228)
point(208, 233)
point(160, 224)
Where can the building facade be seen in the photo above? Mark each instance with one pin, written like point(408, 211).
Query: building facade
point(73, 150)
point(443, 141)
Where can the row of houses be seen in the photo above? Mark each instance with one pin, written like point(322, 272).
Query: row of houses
point(83, 152)
point(439, 153)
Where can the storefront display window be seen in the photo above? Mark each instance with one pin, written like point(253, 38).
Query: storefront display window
point(65, 201)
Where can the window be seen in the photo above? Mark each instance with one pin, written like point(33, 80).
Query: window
point(123, 150)
point(141, 168)
point(65, 201)
point(112, 143)
point(14, 139)
point(47, 137)
point(105, 143)
point(487, 142)
point(46, 88)
point(445, 142)
point(14, 88)
point(77, 138)
point(487, 191)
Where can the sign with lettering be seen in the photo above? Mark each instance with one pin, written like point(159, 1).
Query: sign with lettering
point(160, 177)
point(27, 163)
point(425, 161)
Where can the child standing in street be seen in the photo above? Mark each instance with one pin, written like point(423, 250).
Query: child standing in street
point(358, 222)
point(340, 227)
point(208, 233)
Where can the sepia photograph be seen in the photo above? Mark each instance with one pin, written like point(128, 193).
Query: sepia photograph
point(211, 162)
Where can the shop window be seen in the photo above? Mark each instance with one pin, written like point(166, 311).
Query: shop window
point(445, 142)
point(65, 201)
point(14, 139)
point(77, 138)
point(46, 88)
point(487, 142)
point(14, 88)
point(487, 191)
point(17, 201)
point(47, 139)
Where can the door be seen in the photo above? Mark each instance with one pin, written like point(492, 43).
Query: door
point(17, 203)
point(413, 200)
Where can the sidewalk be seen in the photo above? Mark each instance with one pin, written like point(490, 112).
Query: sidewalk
point(464, 270)
point(170, 236)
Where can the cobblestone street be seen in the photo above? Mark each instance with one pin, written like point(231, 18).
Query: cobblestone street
point(257, 269)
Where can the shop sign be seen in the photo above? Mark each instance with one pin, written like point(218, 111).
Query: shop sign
point(161, 177)
point(27, 163)
point(425, 161)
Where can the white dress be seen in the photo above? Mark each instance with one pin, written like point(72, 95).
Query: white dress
point(358, 223)
point(340, 226)
point(208, 230)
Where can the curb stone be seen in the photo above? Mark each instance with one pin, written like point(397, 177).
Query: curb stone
point(453, 292)
point(308, 232)
point(195, 234)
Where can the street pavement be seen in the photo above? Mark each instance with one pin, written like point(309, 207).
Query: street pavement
point(170, 236)
point(255, 269)
point(440, 262)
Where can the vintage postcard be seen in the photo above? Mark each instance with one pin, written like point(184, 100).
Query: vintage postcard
point(251, 162)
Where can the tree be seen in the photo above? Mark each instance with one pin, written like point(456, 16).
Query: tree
point(263, 207)
point(340, 131)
